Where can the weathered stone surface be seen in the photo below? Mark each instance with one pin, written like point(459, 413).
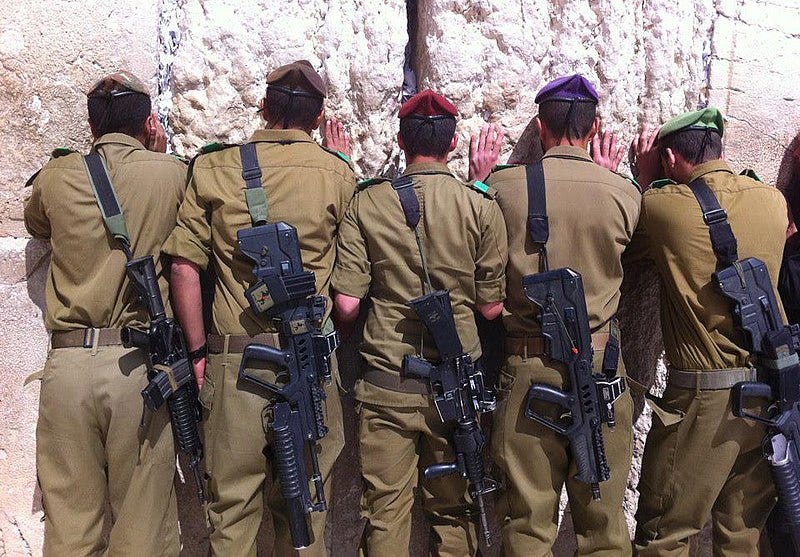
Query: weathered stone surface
point(227, 47)
point(47, 65)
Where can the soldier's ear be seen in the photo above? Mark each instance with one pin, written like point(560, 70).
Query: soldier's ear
point(318, 119)
point(262, 109)
point(595, 128)
point(668, 159)
point(453, 143)
point(400, 141)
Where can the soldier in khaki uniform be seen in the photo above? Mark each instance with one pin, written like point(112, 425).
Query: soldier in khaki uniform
point(93, 440)
point(700, 461)
point(592, 216)
point(308, 187)
point(463, 241)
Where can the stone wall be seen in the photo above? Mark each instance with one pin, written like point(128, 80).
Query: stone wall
point(207, 59)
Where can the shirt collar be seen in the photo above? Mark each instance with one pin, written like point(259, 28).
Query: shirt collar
point(427, 168)
point(119, 139)
point(717, 165)
point(568, 151)
point(281, 136)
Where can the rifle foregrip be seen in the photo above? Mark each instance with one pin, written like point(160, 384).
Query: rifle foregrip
point(417, 367)
point(291, 480)
point(785, 474)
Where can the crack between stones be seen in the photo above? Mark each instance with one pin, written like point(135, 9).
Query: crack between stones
point(169, 39)
point(18, 531)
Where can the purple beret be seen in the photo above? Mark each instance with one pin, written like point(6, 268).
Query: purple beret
point(568, 88)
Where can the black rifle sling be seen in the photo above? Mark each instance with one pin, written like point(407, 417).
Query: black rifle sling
point(723, 242)
point(107, 200)
point(538, 225)
point(404, 186)
point(254, 193)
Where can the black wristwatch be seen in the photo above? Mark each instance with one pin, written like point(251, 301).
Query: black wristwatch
point(201, 352)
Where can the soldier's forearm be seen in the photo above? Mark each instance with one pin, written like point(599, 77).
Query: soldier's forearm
point(187, 301)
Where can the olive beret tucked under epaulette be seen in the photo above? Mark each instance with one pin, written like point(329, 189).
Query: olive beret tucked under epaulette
point(750, 173)
point(215, 146)
point(505, 166)
point(61, 152)
point(656, 184)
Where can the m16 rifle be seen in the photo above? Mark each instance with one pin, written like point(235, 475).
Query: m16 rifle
point(460, 395)
point(774, 346)
point(171, 375)
point(589, 402)
point(286, 292)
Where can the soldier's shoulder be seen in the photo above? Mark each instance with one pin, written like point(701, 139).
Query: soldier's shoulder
point(505, 172)
point(627, 181)
point(662, 186)
point(371, 182)
point(338, 155)
point(482, 188)
point(61, 158)
point(208, 153)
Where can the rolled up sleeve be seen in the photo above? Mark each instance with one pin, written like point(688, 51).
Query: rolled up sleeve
point(492, 256)
point(36, 222)
point(191, 237)
point(351, 274)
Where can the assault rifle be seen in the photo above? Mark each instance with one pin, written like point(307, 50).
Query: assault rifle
point(589, 402)
point(774, 346)
point(286, 292)
point(460, 395)
point(170, 373)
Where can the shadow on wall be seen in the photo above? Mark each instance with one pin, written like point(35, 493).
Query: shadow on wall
point(37, 260)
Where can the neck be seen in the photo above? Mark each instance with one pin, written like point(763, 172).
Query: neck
point(416, 159)
point(278, 126)
point(566, 142)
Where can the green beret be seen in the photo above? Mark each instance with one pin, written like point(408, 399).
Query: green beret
point(706, 119)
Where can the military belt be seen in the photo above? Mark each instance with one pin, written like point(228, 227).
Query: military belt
point(537, 346)
point(85, 338)
point(235, 344)
point(710, 379)
point(396, 382)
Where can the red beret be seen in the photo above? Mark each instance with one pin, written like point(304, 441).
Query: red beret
point(428, 103)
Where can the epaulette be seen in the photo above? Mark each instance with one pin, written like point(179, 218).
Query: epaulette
point(364, 184)
point(61, 151)
point(340, 155)
point(184, 160)
point(215, 146)
point(631, 180)
point(656, 184)
point(32, 178)
point(504, 166)
point(478, 186)
point(750, 173)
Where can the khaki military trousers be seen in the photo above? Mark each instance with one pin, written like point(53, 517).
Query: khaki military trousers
point(534, 464)
point(238, 465)
point(701, 462)
point(395, 443)
point(90, 447)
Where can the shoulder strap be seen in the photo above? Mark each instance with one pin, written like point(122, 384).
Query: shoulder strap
point(404, 186)
point(538, 225)
point(254, 194)
point(723, 242)
point(107, 199)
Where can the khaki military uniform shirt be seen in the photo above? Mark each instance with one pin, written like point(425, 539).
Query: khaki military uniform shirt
point(305, 186)
point(86, 282)
point(464, 239)
point(696, 319)
point(592, 214)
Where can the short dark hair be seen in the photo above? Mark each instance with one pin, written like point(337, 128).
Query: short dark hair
point(119, 114)
point(696, 146)
point(426, 136)
point(292, 110)
point(581, 115)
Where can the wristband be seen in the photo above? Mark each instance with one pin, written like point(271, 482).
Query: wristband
point(201, 352)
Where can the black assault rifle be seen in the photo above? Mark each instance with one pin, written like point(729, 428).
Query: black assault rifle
point(774, 346)
point(170, 372)
point(589, 402)
point(460, 395)
point(286, 292)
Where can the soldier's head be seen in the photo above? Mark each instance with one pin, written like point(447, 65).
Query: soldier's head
point(567, 112)
point(689, 140)
point(295, 93)
point(120, 103)
point(427, 127)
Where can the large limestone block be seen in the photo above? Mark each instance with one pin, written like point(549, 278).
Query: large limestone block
point(47, 65)
point(227, 47)
point(491, 57)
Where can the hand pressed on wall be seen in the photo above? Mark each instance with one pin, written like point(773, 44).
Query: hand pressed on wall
point(337, 138)
point(484, 151)
point(607, 151)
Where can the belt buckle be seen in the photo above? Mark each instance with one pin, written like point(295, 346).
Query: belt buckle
point(90, 336)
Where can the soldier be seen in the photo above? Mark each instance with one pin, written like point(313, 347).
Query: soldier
point(308, 187)
point(461, 247)
point(700, 461)
point(93, 440)
point(592, 215)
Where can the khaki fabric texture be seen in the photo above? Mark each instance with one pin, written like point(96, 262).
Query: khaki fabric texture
point(90, 446)
point(534, 463)
point(242, 480)
point(701, 461)
point(464, 239)
point(305, 186)
point(695, 318)
point(395, 444)
point(86, 282)
point(592, 214)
